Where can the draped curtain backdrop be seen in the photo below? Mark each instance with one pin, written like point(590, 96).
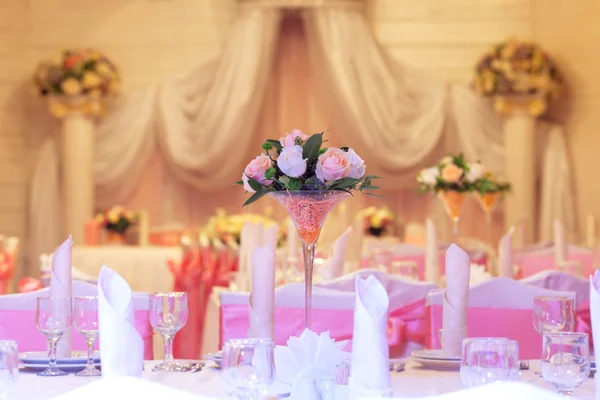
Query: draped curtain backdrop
point(175, 148)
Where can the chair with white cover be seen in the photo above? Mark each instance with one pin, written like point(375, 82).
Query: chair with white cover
point(333, 311)
point(18, 319)
point(500, 307)
point(531, 261)
point(562, 281)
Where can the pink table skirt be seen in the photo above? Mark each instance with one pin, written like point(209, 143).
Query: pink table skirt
point(531, 264)
point(20, 325)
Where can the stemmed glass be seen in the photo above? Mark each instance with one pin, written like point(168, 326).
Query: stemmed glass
point(168, 314)
point(53, 318)
point(553, 314)
point(248, 367)
point(86, 323)
point(566, 360)
point(9, 367)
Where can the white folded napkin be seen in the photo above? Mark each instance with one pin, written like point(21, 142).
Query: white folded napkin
point(250, 237)
point(305, 360)
point(60, 287)
point(338, 255)
point(369, 370)
point(595, 313)
point(270, 236)
point(478, 275)
point(505, 263)
point(121, 345)
point(560, 242)
point(293, 239)
point(262, 297)
point(455, 303)
point(432, 262)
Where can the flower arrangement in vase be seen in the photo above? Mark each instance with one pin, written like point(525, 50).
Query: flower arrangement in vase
point(77, 80)
point(518, 75)
point(228, 228)
point(116, 221)
point(307, 179)
point(377, 221)
point(451, 179)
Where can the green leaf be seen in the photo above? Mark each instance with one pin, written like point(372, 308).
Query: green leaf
point(373, 194)
point(253, 198)
point(311, 148)
point(270, 173)
point(255, 185)
point(285, 180)
point(266, 146)
point(294, 184)
point(240, 182)
point(274, 143)
point(323, 150)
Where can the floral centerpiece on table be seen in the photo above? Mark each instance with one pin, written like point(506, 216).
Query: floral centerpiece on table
point(77, 80)
point(116, 221)
point(300, 162)
point(376, 220)
point(518, 75)
point(308, 179)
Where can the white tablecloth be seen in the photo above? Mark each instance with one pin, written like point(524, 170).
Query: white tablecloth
point(144, 268)
point(413, 382)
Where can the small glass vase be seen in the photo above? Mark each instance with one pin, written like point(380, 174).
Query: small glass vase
point(453, 202)
point(308, 209)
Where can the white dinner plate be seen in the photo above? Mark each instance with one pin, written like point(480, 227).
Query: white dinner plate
point(62, 367)
point(41, 357)
point(434, 355)
point(438, 364)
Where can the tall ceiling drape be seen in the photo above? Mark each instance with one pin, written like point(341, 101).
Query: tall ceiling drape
point(202, 125)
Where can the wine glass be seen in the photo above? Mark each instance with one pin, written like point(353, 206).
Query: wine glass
point(168, 314)
point(9, 367)
point(566, 360)
point(53, 319)
point(248, 367)
point(86, 323)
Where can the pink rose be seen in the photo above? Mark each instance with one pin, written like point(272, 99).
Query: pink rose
point(256, 170)
point(332, 165)
point(451, 173)
point(357, 165)
point(290, 138)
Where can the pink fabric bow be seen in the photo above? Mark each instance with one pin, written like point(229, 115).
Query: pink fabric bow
point(583, 322)
point(405, 325)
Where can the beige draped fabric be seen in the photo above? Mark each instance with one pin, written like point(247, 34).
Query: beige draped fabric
point(199, 130)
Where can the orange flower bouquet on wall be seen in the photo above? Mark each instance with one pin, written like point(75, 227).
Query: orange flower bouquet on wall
point(518, 75)
point(77, 80)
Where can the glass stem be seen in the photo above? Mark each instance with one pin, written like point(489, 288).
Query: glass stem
point(168, 339)
point(52, 347)
point(455, 229)
point(490, 231)
point(90, 361)
point(308, 251)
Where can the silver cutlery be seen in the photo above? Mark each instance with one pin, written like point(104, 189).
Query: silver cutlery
point(523, 365)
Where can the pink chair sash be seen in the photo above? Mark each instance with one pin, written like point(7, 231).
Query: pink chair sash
point(583, 321)
point(406, 324)
point(491, 322)
point(20, 325)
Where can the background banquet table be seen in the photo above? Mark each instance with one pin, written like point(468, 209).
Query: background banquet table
point(413, 382)
point(143, 267)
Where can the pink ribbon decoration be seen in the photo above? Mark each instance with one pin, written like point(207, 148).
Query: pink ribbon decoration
point(405, 324)
point(583, 322)
point(29, 284)
point(490, 322)
point(20, 325)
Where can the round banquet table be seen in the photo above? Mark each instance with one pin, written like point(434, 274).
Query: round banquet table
point(414, 381)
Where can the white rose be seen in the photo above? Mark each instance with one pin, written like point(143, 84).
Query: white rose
point(290, 161)
point(476, 171)
point(357, 165)
point(446, 160)
point(429, 175)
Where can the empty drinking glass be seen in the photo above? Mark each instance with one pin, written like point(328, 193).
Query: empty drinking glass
point(86, 323)
point(168, 314)
point(553, 314)
point(566, 360)
point(248, 367)
point(486, 360)
point(53, 318)
point(9, 367)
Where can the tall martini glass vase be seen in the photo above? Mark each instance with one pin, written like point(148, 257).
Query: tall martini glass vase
point(488, 202)
point(308, 209)
point(453, 202)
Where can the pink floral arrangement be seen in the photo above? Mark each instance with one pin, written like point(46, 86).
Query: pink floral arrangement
point(299, 162)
